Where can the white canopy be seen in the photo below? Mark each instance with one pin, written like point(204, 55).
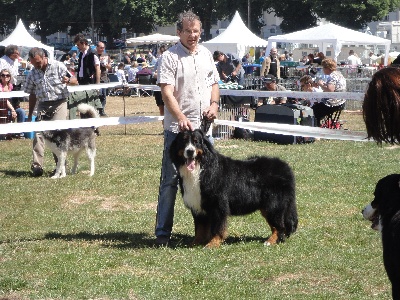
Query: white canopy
point(156, 38)
point(236, 39)
point(21, 37)
point(330, 34)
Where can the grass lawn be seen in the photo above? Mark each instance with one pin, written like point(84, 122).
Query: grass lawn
point(84, 237)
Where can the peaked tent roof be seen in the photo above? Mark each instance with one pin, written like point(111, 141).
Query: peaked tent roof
point(330, 34)
point(153, 39)
point(21, 37)
point(236, 39)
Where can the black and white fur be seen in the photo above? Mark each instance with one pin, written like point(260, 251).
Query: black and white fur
point(75, 141)
point(215, 186)
point(384, 212)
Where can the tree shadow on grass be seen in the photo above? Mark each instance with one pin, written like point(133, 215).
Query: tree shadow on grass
point(125, 240)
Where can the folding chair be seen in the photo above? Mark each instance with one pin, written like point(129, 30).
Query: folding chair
point(145, 80)
point(331, 120)
point(113, 78)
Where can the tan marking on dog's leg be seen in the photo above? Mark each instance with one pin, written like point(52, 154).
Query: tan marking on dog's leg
point(215, 242)
point(273, 238)
point(201, 233)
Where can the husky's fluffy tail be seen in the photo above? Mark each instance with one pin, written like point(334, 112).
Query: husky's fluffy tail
point(87, 111)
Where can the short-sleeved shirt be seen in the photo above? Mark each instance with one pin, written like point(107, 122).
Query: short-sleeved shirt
point(192, 75)
point(229, 66)
point(337, 79)
point(279, 88)
point(48, 85)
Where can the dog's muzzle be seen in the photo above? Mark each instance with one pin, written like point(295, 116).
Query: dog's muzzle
point(190, 156)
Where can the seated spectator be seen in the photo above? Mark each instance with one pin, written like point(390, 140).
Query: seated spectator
point(74, 58)
point(144, 71)
point(246, 59)
point(141, 59)
point(127, 58)
point(132, 72)
point(16, 113)
point(304, 60)
point(270, 85)
point(320, 57)
point(151, 60)
point(335, 83)
point(310, 61)
point(307, 84)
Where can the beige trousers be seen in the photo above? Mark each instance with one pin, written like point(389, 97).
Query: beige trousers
point(60, 110)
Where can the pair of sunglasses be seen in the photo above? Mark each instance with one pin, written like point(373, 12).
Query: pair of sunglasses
point(5, 75)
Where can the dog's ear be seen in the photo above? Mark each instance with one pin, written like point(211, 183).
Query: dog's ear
point(174, 148)
point(206, 141)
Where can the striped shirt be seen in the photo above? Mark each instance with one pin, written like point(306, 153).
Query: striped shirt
point(48, 85)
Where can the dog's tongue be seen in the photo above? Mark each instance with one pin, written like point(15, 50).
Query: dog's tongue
point(190, 164)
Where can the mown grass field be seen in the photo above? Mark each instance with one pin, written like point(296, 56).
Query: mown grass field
point(92, 238)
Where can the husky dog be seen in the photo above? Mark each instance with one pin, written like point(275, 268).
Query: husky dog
point(74, 140)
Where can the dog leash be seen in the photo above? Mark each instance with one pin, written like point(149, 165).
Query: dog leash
point(205, 124)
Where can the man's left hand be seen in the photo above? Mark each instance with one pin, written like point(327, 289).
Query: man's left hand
point(211, 112)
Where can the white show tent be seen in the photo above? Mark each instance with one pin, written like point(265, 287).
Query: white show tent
point(156, 38)
point(21, 37)
point(330, 34)
point(236, 39)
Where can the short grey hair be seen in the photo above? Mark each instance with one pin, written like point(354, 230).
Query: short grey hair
point(36, 51)
point(186, 16)
point(10, 49)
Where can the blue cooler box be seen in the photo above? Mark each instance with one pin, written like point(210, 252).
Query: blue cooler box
point(30, 135)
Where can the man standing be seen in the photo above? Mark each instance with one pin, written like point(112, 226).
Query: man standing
point(88, 62)
point(46, 83)
point(189, 86)
point(271, 65)
point(10, 62)
point(105, 66)
point(353, 59)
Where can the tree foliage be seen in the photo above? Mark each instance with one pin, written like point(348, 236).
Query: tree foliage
point(110, 16)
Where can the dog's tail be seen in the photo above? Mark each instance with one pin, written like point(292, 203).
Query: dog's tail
point(291, 218)
point(87, 111)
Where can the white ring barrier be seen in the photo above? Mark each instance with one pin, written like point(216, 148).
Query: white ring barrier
point(284, 129)
point(298, 130)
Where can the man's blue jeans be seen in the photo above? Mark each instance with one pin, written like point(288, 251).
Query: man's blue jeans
point(167, 191)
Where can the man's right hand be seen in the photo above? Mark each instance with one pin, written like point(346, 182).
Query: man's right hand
point(184, 124)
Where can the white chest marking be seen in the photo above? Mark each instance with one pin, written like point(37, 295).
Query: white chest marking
point(191, 188)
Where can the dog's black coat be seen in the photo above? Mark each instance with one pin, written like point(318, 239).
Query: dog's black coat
point(386, 204)
point(236, 187)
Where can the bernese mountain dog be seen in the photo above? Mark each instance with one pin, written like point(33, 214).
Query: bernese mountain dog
point(214, 187)
point(384, 212)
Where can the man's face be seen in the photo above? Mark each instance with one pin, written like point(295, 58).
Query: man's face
point(81, 46)
point(273, 52)
point(220, 57)
point(100, 48)
point(190, 34)
point(38, 62)
point(270, 86)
